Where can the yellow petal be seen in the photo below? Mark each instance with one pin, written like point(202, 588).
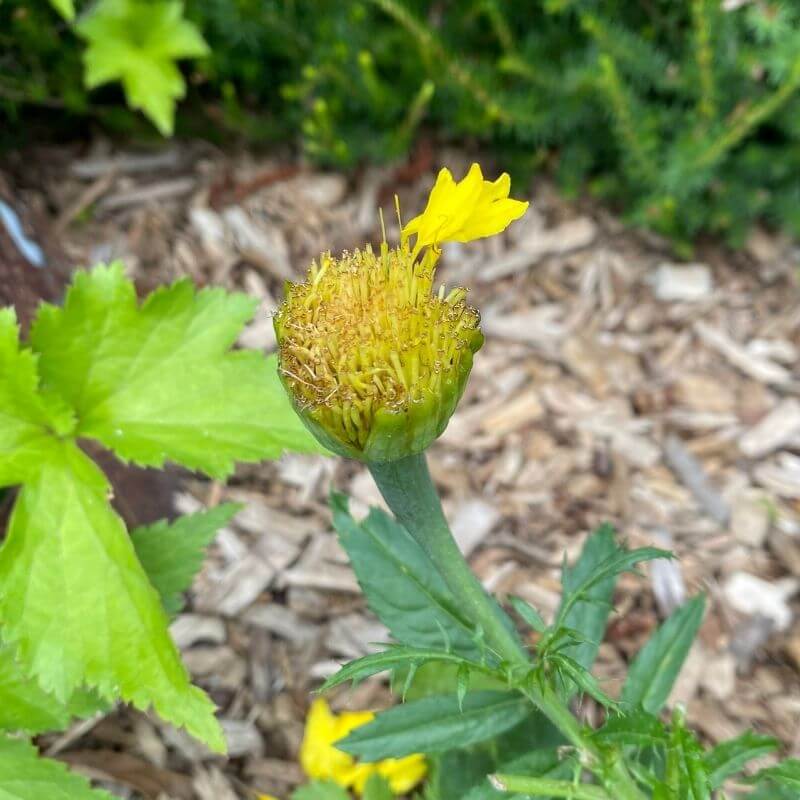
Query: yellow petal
point(470, 209)
point(403, 774)
point(318, 757)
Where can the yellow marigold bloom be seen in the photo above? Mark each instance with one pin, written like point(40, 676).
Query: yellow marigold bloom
point(321, 760)
point(460, 212)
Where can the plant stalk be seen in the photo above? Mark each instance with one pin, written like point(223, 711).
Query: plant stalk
point(407, 487)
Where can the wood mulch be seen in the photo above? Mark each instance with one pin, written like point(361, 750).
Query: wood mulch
point(615, 384)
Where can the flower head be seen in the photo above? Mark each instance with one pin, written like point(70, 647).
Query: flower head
point(375, 360)
point(460, 212)
point(321, 760)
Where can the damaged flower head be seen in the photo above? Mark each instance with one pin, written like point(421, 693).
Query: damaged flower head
point(373, 355)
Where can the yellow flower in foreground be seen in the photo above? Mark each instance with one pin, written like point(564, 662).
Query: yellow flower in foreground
point(463, 211)
point(321, 760)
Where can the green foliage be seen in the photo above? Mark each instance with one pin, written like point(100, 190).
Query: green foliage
point(82, 602)
point(320, 790)
point(25, 776)
point(683, 113)
point(656, 667)
point(436, 724)
point(137, 43)
point(172, 554)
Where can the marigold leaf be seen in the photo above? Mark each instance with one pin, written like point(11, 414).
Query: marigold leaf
point(436, 724)
point(64, 7)
point(78, 606)
point(159, 382)
point(656, 666)
point(320, 790)
point(728, 758)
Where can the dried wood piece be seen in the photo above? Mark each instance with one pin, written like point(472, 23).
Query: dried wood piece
point(753, 595)
point(158, 192)
point(472, 522)
point(682, 282)
point(189, 629)
point(762, 369)
point(774, 431)
point(513, 414)
point(237, 587)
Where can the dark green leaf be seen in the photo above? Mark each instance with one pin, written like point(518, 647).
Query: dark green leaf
point(401, 584)
point(657, 665)
point(435, 725)
point(582, 678)
point(320, 790)
point(539, 763)
point(589, 615)
point(172, 553)
point(638, 729)
point(529, 614)
point(397, 657)
point(729, 757)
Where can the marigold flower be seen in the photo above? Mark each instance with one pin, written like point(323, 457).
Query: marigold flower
point(460, 212)
point(374, 360)
point(321, 760)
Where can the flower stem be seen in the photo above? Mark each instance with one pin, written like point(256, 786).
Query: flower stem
point(407, 487)
point(546, 787)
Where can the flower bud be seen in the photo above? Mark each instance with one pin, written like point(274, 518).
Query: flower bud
point(373, 359)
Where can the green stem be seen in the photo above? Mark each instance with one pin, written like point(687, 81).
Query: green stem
point(407, 487)
point(546, 787)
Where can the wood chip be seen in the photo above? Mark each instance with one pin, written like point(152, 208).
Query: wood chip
point(777, 429)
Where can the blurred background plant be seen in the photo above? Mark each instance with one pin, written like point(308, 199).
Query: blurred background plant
point(684, 114)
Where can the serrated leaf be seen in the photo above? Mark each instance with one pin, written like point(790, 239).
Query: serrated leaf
point(638, 729)
point(529, 614)
point(25, 706)
point(24, 775)
point(172, 553)
point(395, 657)
point(728, 758)
point(159, 382)
point(78, 606)
point(377, 788)
point(137, 43)
point(685, 760)
point(582, 678)
point(786, 774)
point(64, 7)
point(320, 790)
point(589, 615)
point(401, 584)
point(436, 724)
point(656, 666)
point(592, 580)
point(27, 422)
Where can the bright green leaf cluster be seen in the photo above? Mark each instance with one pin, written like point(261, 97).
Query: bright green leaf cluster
point(85, 606)
point(137, 43)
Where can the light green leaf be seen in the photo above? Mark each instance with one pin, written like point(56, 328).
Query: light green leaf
point(529, 614)
point(26, 776)
point(543, 763)
point(25, 706)
point(172, 553)
point(64, 7)
point(377, 788)
point(436, 724)
point(656, 666)
point(77, 604)
point(137, 42)
point(728, 758)
point(26, 420)
point(401, 584)
point(159, 381)
point(320, 790)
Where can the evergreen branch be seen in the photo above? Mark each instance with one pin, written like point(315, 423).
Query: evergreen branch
point(622, 108)
point(500, 26)
point(704, 56)
point(745, 123)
